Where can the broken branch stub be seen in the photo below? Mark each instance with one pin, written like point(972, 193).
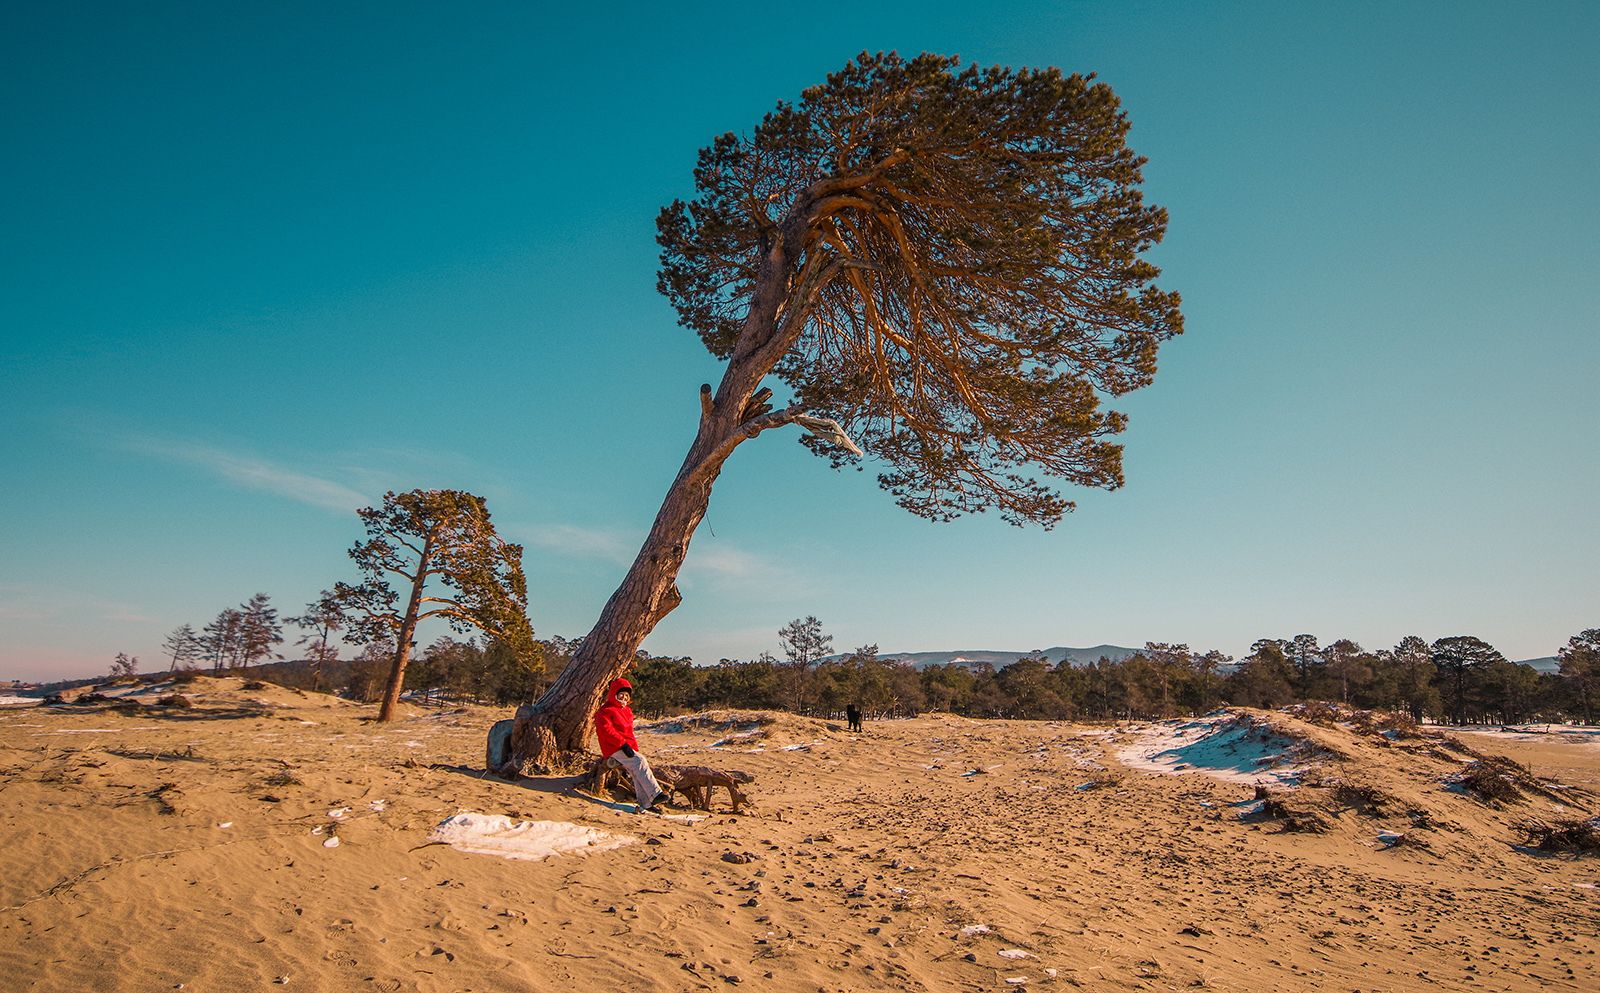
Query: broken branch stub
point(829, 431)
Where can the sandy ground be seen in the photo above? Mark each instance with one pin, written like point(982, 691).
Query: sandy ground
point(161, 849)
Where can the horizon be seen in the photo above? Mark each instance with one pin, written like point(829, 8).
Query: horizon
point(279, 261)
point(960, 655)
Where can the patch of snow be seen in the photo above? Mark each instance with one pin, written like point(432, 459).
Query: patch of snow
point(10, 701)
point(531, 841)
point(1225, 746)
point(1015, 953)
point(1568, 734)
point(1251, 808)
point(685, 818)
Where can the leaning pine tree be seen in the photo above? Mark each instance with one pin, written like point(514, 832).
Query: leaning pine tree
point(943, 265)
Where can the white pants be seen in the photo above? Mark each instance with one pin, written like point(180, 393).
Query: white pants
point(645, 787)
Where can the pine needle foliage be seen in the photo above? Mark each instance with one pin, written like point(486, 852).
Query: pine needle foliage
point(432, 553)
point(944, 259)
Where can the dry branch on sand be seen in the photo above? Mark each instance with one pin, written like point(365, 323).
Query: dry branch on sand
point(695, 782)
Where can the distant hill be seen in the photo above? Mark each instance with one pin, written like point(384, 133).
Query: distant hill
point(1081, 656)
point(1078, 656)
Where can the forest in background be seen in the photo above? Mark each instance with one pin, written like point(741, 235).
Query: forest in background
point(1459, 679)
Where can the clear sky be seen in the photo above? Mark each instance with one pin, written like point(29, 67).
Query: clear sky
point(260, 263)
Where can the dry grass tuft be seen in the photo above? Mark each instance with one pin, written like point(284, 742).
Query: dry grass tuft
point(1573, 835)
point(1367, 798)
point(1495, 777)
point(1317, 712)
point(1370, 723)
point(1273, 807)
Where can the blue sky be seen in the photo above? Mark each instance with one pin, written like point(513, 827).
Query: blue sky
point(262, 264)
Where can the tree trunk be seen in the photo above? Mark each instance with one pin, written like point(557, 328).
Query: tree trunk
point(408, 629)
point(550, 734)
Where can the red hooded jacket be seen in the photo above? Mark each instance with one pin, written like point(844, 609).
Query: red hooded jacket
point(613, 722)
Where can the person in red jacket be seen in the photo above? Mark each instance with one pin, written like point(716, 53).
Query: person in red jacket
point(613, 723)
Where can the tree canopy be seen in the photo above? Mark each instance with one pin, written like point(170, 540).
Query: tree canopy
point(438, 537)
point(946, 261)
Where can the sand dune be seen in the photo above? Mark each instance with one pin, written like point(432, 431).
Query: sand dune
point(160, 848)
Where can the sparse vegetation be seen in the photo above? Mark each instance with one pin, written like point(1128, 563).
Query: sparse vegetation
point(1368, 799)
point(1570, 835)
point(1495, 777)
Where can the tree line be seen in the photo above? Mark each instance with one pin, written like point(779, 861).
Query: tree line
point(450, 564)
point(1458, 679)
point(1455, 679)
